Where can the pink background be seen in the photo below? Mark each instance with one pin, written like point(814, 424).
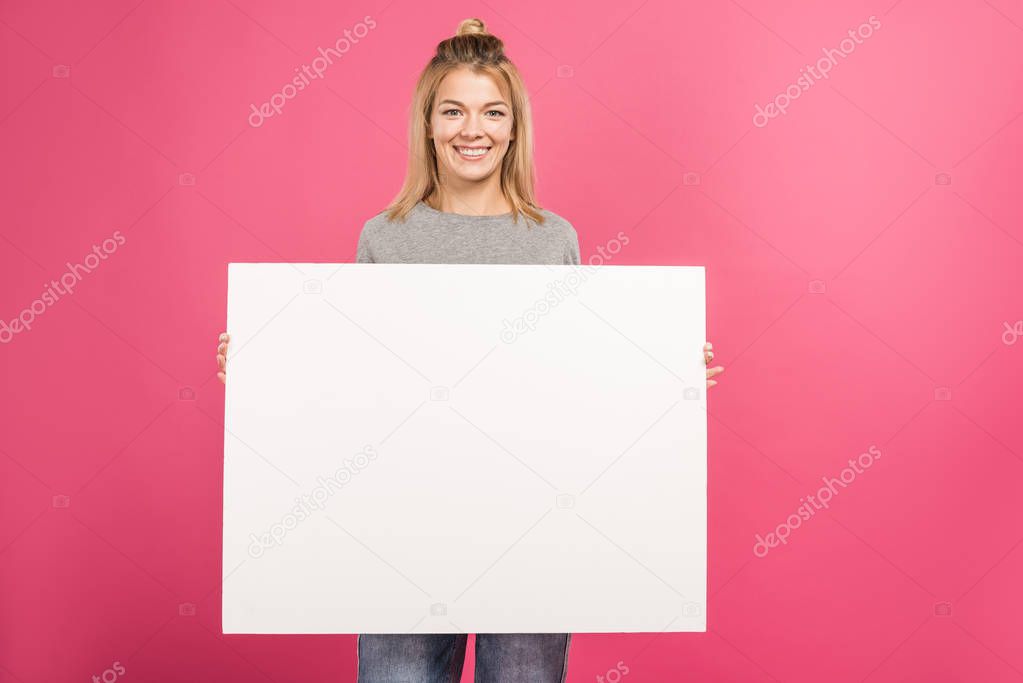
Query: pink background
point(650, 133)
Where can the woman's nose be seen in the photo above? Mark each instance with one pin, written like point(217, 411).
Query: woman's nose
point(472, 127)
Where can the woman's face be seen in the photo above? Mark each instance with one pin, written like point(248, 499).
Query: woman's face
point(471, 125)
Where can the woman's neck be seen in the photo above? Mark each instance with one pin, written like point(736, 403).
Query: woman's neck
point(472, 201)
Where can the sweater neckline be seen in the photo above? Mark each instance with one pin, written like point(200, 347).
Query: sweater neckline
point(429, 209)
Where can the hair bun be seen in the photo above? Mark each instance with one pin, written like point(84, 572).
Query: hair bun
point(469, 26)
point(471, 45)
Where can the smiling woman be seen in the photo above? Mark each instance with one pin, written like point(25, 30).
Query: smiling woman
point(468, 197)
point(474, 132)
point(471, 133)
point(468, 183)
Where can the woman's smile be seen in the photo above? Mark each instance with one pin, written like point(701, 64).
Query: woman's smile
point(472, 153)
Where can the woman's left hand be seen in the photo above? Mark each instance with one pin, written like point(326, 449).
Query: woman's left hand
point(708, 356)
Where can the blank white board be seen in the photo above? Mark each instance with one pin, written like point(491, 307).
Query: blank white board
point(425, 448)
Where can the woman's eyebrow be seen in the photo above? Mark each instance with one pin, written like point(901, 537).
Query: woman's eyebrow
point(488, 104)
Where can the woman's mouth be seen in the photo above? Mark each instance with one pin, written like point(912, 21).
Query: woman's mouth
point(472, 153)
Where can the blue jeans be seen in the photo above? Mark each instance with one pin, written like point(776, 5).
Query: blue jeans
point(438, 657)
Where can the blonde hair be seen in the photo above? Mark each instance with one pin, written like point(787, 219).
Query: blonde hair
point(471, 47)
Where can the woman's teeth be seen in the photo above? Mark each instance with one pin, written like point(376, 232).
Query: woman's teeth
point(466, 151)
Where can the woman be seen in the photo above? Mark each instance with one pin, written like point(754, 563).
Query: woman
point(467, 198)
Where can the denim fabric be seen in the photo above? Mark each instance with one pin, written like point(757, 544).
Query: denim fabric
point(438, 657)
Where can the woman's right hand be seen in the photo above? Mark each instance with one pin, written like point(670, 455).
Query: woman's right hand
point(222, 356)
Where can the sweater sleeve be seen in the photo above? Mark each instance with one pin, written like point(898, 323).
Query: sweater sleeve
point(362, 251)
point(572, 247)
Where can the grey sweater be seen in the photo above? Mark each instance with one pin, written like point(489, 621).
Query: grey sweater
point(431, 236)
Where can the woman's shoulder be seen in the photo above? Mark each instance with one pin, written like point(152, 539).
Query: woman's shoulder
point(557, 222)
point(377, 231)
point(565, 233)
point(381, 221)
point(563, 229)
point(376, 221)
point(382, 227)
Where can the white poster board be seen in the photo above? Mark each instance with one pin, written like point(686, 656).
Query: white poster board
point(465, 449)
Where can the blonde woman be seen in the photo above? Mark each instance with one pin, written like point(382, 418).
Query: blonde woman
point(467, 198)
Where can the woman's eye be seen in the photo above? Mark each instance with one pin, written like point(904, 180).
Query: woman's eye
point(492, 111)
